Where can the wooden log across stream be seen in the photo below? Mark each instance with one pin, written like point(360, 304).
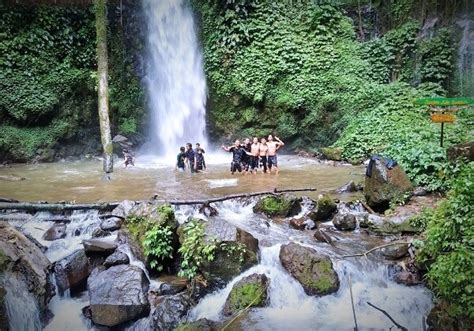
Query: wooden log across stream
point(108, 206)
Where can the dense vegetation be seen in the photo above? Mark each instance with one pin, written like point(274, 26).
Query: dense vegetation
point(47, 81)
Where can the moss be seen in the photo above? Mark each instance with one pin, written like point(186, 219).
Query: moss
point(249, 294)
point(324, 283)
point(332, 153)
point(273, 206)
point(4, 260)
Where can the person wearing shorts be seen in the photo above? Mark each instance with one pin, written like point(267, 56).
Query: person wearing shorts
point(273, 146)
point(262, 153)
point(237, 152)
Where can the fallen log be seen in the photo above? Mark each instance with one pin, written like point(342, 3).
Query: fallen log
point(400, 327)
point(236, 196)
point(59, 207)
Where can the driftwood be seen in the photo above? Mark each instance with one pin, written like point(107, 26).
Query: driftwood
point(59, 207)
point(352, 304)
point(366, 206)
point(400, 327)
point(235, 196)
point(375, 248)
point(33, 207)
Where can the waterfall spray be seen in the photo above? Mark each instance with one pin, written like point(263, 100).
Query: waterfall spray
point(175, 79)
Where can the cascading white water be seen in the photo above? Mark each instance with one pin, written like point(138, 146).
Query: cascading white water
point(466, 57)
point(175, 78)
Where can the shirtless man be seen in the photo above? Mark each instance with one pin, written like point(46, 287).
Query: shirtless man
point(262, 152)
point(254, 150)
point(273, 146)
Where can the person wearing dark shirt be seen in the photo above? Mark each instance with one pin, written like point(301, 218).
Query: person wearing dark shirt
point(237, 154)
point(200, 158)
point(180, 159)
point(246, 156)
point(191, 157)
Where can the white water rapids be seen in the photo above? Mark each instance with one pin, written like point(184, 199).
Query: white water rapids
point(175, 77)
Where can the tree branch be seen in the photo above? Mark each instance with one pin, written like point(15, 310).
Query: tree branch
point(400, 327)
point(375, 248)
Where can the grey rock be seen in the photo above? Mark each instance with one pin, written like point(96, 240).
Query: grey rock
point(344, 221)
point(99, 246)
point(118, 294)
point(239, 298)
point(169, 311)
point(419, 192)
point(116, 258)
point(72, 271)
point(111, 223)
point(395, 252)
point(347, 188)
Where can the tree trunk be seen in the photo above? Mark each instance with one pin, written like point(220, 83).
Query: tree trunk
point(102, 71)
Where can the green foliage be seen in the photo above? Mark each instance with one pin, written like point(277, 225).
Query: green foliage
point(234, 249)
point(449, 241)
point(155, 235)
point(195, 249)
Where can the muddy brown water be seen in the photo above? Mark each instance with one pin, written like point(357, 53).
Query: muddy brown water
point(82, 182)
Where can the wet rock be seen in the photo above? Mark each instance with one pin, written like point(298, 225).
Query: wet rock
point(124, 208)
point(407, 278)
point(202, 324)
point(250, 291)
point(344, 221)
point(419, 192)
point(57, 231)
point(23, 258)
point(99, 233)
point(143, 324)
point(116, 258)
point(168, 312)
point(347, 188)
point(332, 153)
point(96, 246)
point(4, 322)
point(321, 236)
point(391, 225)
point(395, 252)
point(72, 271)
point(325, 207)
point(285, 205)
point(313, 270)
point(172, 286)
point(441, 318)
point(297, 223)
point(465, 151)
point(118, 294)
point(111, 223)
point(385, 184)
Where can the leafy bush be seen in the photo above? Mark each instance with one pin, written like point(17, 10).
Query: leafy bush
point(194, 249)
point(449, 242)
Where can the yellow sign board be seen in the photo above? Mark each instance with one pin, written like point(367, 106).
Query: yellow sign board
point(443, 118)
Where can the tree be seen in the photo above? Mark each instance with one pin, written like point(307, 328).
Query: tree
point(103, 91)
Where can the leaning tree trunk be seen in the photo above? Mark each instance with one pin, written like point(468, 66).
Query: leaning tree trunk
point(102, 70)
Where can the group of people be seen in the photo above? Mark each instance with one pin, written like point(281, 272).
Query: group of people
point(192, 158)
point(247, 157)
point(250, 156)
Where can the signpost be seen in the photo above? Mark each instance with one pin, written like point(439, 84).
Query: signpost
point(443, 109)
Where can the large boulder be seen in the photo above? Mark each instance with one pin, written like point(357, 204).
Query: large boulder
point(237, 250)
point(124, 208)
point(313, 270)
point(111, 223)
point(116, 258)
point(465, 151)
point(385, 181)
point(395, 251)
point(57, 231)
point(332, 153)
point(325, 207)
point(284, 205)
point(168, 312)
point(20, 256)
point(117, 294)
point(344, 221)
point(250, 291)
point(72, 271)
point(390, 225)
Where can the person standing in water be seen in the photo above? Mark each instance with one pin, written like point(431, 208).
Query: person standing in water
point(200, 158)
point(246, 156)
point(190, 157)
point(254, 150)
point(237, 153)
point(273, 146)
point(262, 152)
point(180, 159)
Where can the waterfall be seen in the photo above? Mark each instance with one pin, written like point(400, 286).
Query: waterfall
point(21, 307)
point(466, 57)
point(175, 77)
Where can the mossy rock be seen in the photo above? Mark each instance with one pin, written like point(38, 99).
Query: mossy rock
point(325, 207)
point(313, 270)
point(332, 153)
point(391, 226)
point(281, 205)
point(250, 291)
point(230, 259)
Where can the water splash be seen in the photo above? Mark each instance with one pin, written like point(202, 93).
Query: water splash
point(175, 81)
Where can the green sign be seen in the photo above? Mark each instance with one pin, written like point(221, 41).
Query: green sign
point(445, 102)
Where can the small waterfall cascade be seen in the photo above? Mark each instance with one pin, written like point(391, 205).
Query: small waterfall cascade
point(466, 57)
point(20, 304)
point(175, 79)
